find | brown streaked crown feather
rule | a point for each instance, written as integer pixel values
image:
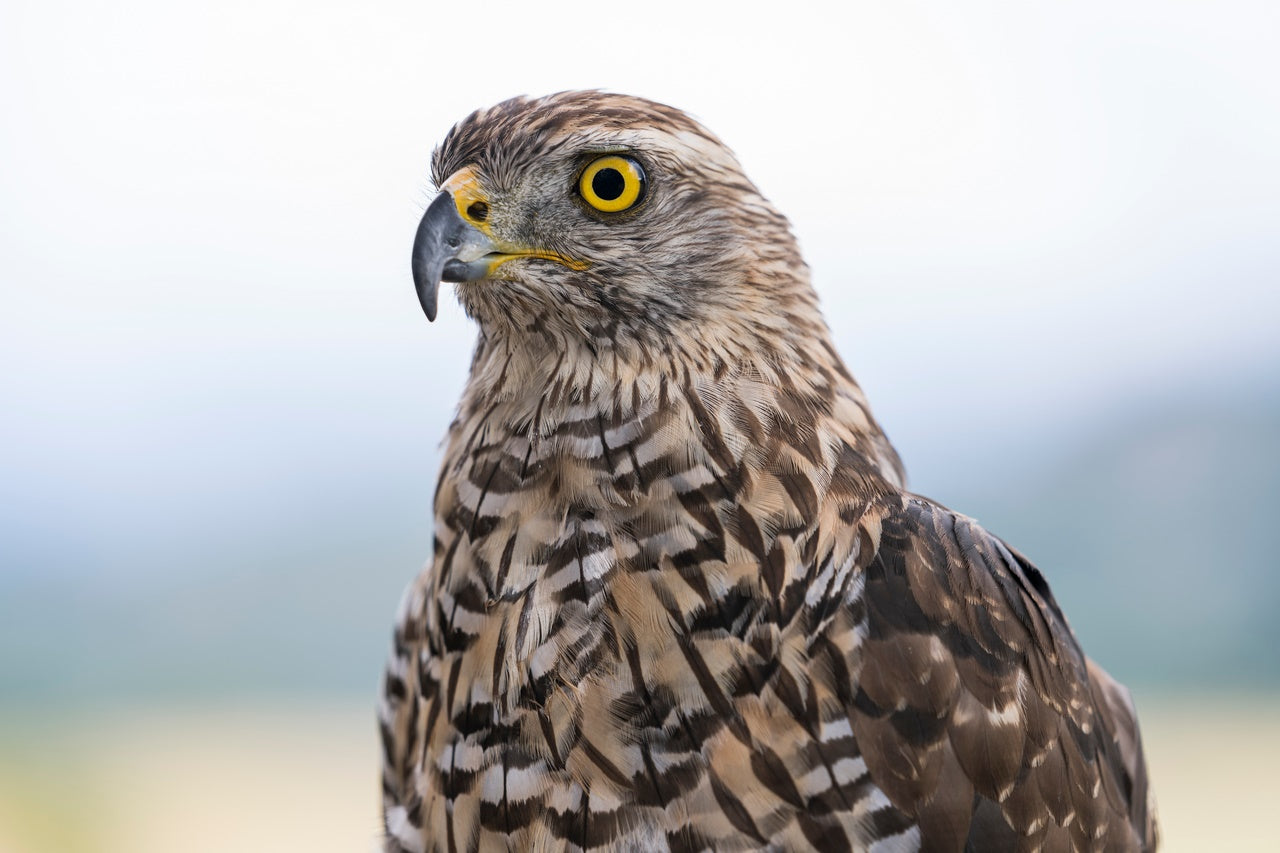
(679, 598)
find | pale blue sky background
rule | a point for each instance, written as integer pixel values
(1028, 223)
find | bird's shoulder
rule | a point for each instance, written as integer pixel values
(974, 707)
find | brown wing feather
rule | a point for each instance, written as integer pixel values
(976, 710)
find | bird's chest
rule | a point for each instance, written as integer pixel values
(535, 535)
(539, 551)
(603, 647)
(553, 619)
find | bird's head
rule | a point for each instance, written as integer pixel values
(600, 216)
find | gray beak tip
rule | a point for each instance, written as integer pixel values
(428, 297)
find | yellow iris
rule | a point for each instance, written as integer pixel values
(612, 183)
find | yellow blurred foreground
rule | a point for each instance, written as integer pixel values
(272, 778)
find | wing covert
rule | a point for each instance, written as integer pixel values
(976, 710)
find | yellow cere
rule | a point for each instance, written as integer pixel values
(464, 186)
(612, 183)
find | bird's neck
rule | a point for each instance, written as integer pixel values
(567, 396)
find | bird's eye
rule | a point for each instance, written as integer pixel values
(612, 183)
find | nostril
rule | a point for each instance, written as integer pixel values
(479, 211)
(453, 242)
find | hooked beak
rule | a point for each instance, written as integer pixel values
(446, 248)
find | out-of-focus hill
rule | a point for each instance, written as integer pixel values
(1157, 532)
(1160, 535)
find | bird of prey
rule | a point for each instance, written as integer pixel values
(680, 598)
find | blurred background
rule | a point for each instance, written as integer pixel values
(1047, 237)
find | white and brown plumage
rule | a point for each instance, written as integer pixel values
(679, 597)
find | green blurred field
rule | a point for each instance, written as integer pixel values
(260, 778)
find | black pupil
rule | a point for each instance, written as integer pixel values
(608, 184)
